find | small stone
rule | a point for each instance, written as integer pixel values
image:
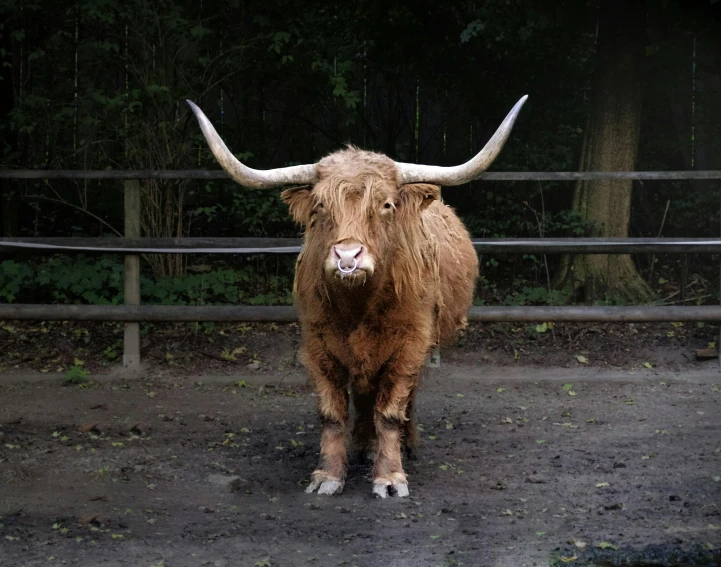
(535, 479)
(265, 516)
(205, 509)
(231, 483)
(447, 510)
(311, 506)
(164, 417)
(253, 365)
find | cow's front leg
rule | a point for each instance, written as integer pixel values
(391, 416)
(330, 381)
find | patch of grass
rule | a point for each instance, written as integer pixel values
(76, 375)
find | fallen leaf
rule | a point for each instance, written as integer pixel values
(85, 520)
(582, 359)
(602, 484)
(87, 427)
(569, 559)
(648, 365)
(605, 545)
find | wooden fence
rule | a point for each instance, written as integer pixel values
(133, 245)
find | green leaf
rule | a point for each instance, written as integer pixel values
(605, 545)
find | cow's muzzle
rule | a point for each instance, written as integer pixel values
(349, 260)
(348, 257)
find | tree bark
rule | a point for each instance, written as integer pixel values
(610, 144)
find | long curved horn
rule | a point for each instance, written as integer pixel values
(460, 174)
(254, 178)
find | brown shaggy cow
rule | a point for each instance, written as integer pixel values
(387, 272)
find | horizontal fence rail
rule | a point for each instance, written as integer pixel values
(488, 176)
(293, 245)
(286, 314)
(131, 314)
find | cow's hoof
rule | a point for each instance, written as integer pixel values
(384, 489)
(329, 487)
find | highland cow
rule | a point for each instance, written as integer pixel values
(386, 273)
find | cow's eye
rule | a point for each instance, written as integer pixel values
(388, 205)
(320, 205)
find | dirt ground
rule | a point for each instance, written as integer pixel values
(519, 464)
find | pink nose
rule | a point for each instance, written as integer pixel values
(347, 257)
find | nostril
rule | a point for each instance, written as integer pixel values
(347, 257)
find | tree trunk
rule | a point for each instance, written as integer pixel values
(610, 144)
(707, 123)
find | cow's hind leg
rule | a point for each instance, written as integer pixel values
(409, 431)
(363, 426)
(330, 381)
(391, 417)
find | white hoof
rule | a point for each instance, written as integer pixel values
(399, 490)
(328, 487)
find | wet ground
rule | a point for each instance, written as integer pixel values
(518, 466)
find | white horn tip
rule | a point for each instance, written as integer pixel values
(194, 107)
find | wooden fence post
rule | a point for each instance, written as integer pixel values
(131, 342)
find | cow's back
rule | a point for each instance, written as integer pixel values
(458, 268)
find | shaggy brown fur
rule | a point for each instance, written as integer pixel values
(373, 334)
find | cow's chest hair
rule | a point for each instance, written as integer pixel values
(375, 346)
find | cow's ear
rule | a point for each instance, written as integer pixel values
(418, 196)
(300, 203)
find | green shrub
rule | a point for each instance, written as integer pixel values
(99, 280)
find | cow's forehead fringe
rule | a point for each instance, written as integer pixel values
(353, 163)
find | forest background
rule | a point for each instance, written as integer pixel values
(612, 85)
